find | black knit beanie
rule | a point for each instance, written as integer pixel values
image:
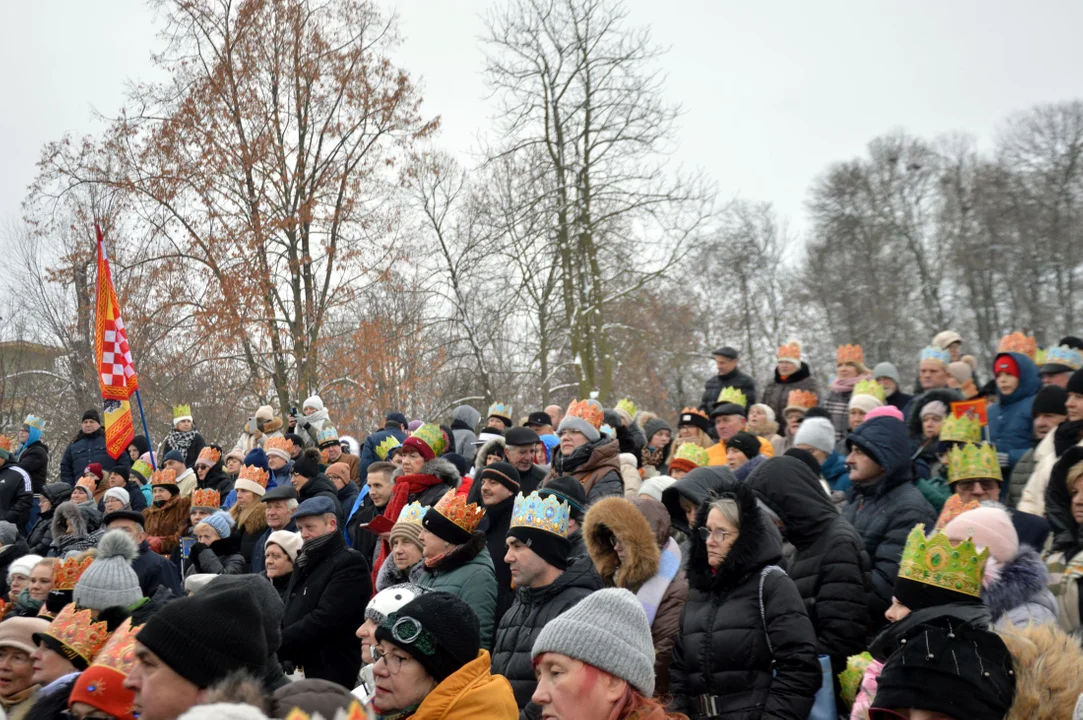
(503, 473)
(437, 629)
(746, 442)
(569, 490)
(551, 548)
(92, 414)
(204, 638)
(1075, 383)
(307, 466)
(1050, 399)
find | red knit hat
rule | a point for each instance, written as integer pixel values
(1005, 363)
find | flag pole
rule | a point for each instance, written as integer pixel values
(146, 432)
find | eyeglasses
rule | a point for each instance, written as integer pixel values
(987, 484)
(392, 662)
(719, 535)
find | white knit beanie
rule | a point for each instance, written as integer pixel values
(23, 565)
(290, 542)
(655, 486)
(816, 432)
(120, 494)
(865, 402)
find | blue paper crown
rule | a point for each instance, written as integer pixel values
(608, 430)
(412, 514)
(1064, 355)
(548, 514)
(35, 422)
(326, 434)
(500, 410)
(934, 353)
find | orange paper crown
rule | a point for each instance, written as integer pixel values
(78, 632)
(102, 684)
(254, 474)
(206, 499)
(801, 399)
(119, 652)
(67, 572)
(588, 411)
(163, 477)
(209, 456)
(849, 354)
(5, 443)
(1017, 342)
(455, 508)
(694, 411)
(87, 483)
(791, 352)
(278, 443)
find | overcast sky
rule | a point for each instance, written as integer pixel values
(773, 92)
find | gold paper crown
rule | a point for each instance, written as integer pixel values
(732, 395)
(180, 411)
(801, 399)
(628, 406)
(500, 410)
(965, 429)
(791, 351)
(389, 444)
(278, 443)
(209, 455)
(253, 474)
(35, 422)
(206, 499)
(692, 453)
(1017, 342)
(548, 514)
(455, 508)
(412, 514)
(432, 436)
(849, 354)
(870, 388)
(78, 632)
(119, 652)
(694, 411)
(588, 411)
(163, 477)
(935, 561)
(67, 572)
(973, 462)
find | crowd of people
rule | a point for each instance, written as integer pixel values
(841, 550)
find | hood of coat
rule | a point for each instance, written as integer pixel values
(213, 478)
(888, 641)
(443, 469)
(790, 489)
(320, 483)
(1018, 583)
(758, 544)
(603, 453)
(617, 517)
(56, 493)
(884, 439)
(801, 374)
(68, 515)
(1047, 678)
(461, 554)
(695, 487)
(491, 447)
(1058, 503)
(1029, 380)
(944, 395)
(467, 415)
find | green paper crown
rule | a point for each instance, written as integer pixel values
(432, 436)
(180, 411)
(965, 429)
(973, 462)
(871, 388)
(35, 422)
(850, 678)
(389, 443)
(732, 395)
(548, 514)
(629, 407)
(692, 453)
(935, 561)
(499, 410)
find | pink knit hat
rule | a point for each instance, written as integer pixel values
(885, 411)
(988, 527)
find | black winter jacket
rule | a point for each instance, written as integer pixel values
(194, 448)
(736, 379)
(217, 479)
(532, 609)
(777, 394)
(154, 572)
(87, 449)
(16, 496)
(9, 554)
(1067, 533)
(321, 486)
(222, 557)
(696, 487)
(35, 460)
(325, 604)
(41, 535)
(723, 649)
(885, 511)
(829, 566)
(495, 525)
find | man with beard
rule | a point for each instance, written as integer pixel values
(498, 484)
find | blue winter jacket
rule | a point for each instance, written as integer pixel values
(83, 451)
(835, 472)
(1011, 424)
(368, 451)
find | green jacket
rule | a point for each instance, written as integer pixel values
(467, 572)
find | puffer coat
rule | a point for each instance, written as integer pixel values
(695, 487)
(777, 393)
(736, 657)
(467, 573)
(595, 465)
(1011, 425)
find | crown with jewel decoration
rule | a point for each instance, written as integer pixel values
(1017, 342)
(973, 462)
(586, 410)
(499, 410)
(692, 453)
(790, 352)
(327, 435)
(278, 444)
(35, 422)
(254, 474)
(182, 412)
(628, 406)
(801, 399)
(67, 572)
(453, 507)
(548, 514)
(163, 477)
(412, 514)
(432, 436)
(935, 561)
(965, 429)
(209, 499)
(209, 456)
(78, 633)
(119, 651)
(932, 352)
(849, 354)
(871, 388)
(732, 395)
(1063, 355)
(389, 443)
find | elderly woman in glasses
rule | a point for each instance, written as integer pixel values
(746, 646)
(428, 663)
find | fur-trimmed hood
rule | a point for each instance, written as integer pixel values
(944, 395)
(443, 469)
(1021, 581)
(1047, 678)
(617, 516)
(485, 449)
(68, 514)
(461, 555)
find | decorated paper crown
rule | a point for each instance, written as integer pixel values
(163, 477)
(254, 474)
(932, 352)
(591, 412)
(35, 422)
(432, 436)
(279, 444)
(692, 453)
(973, 462)
(119, 652)
(87, 483)
(102, 684)
(78, 632)
(206, 499)
(694, 411)
(1017, 342)
(499, 410)
(850, 678)
(1063, 355)
(327, 435)
(964, 429)
(871, 388)
(849, 354)
(182, 412)
(935, 561)
(5, 446)
(355, 712)
(732, 395)
(628, 406)
(454, 507)
(67, 572)
(1040, 357)
(209, 456)
(389, 443)
(143, 468)
(790, 352)
(608, 431)
(548, 514)
(801, 399)
(412, 514)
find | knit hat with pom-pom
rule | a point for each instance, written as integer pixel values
(110, 580)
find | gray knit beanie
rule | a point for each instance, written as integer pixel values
(816, 432)
(609, 630)
(888, 370)
(110, 580)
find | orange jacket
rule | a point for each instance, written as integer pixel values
(471, 692)
(716, 454)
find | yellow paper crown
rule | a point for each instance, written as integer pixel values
(182, 411)
(588, 411)
(1017, 342)
(163, 477)
(849, 354)
(253, 474)
(206, 499)
(119, 652)
(278, 443)
(35, 422)
(870, 388)
(973, 462)
(354, 712)
(78, 632)
(389, 444)
(790, 352)
(455, 508)
(801, 399)
(935, 561)
(67, 572)
(964, 429)
(412, 514)
(628, 406)
(692, 453)
(850, 678)
(732, 395)
(534, 511)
